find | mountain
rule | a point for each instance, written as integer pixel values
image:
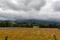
(29, 20)
(34, 20)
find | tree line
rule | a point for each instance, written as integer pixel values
(29, 24)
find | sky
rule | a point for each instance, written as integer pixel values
(29, 9)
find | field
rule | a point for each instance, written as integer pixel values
(29, 33)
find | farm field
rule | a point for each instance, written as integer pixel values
(29, 33)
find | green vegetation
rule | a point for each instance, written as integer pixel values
(29, 24)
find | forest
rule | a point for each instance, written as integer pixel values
(29, 24)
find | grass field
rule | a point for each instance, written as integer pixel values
(29, 33)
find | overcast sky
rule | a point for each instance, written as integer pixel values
(29, 9)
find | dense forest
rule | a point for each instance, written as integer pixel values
(29, 24)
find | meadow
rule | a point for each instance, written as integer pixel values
(29, 33)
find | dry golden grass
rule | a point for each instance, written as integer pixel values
(29, 33)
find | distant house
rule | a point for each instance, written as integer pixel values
(35, 26)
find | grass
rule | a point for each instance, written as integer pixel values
(29, 33)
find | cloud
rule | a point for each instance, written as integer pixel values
(20, 9)
(57, 6)
(48, 11)
(29, 9)
(19, 15)
(22, 4)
